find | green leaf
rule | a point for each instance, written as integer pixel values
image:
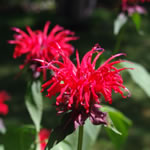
(59, 133)
(139, 75)
(62, 146)
(111, 125)
(119, 23)
(2, 127)
(34, 103)
(89, 137)
(137, 20)
(21, 138)
(90, 134)
(2, 147)
(120, 124)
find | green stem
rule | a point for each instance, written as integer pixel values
(80, 138)
(120, 37)
(37, 142)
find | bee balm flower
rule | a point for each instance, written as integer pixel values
(41, 44)
(81, 87)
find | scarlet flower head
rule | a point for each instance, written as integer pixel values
(132, 6)
(41, 44)
(81, 87)
(43, 137)
(3, 107)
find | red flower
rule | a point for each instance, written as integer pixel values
(41, 44)
(81, 88)
(43, 137)
(3, 107)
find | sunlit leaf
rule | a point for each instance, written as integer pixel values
(139, 75)
(2, 127)
(2, 147)
(119, 23)
(34, 103)
(117, 132)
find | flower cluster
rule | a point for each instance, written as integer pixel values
(41, 44)
(132, 6)
(81, 87)
(43, 137)
(3, 107)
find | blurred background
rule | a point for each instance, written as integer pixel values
(92, 21)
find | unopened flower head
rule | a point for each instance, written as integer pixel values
(81, 87)
(133, 6)
(41, 44)
(3, 107)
